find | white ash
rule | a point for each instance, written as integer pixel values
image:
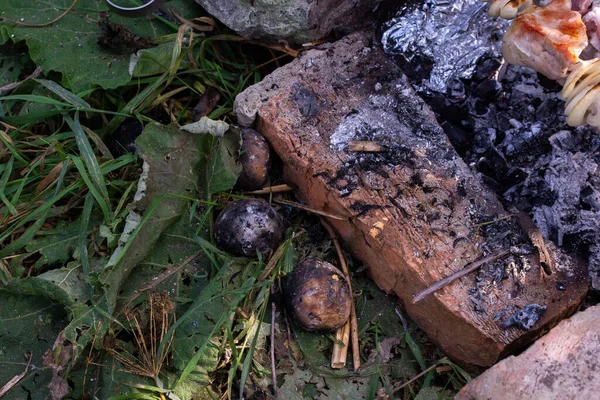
(371, 123)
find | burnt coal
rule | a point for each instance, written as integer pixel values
(514, 132)
(525, 318)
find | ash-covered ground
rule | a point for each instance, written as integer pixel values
(508, 123)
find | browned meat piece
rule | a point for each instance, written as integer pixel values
(548, 39)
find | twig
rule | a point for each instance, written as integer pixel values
(311, 210)
(415, 378)
(277, 256)
(458, 274)
(282, 48)
(209, 27)
(260, 66)
(5, 270)
(340, 352)
(157, 280)
(45, 23)
(535, 236)
(273, 262)
(9, 385)
(11, 86)
(366, 146)
(272, 189)
(273, 309)
(353, 319)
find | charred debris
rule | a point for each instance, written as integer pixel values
(507, 122)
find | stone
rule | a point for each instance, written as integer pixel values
(411, 210)
(564, 364)
(296, 21)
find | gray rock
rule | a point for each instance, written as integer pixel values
(297, 21)
(561, 365)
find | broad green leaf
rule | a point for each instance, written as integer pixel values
(195, 340)
(56, 286)
(196, 351)
(170, 251)
(79, 324)
(153, 61)
(314, 346)
(107, 381)
(28, 324)
(375, 307)
(222, 169)
(3, 181)
(345, 389)
(198, 320)
(70, 279)
(5, 34)
(174, 160)
(294, 385)
(70, 45)
(55, 246)
(196, 386)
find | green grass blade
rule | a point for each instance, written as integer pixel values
(37, 214)
(3, 181)
(35, 99)
(416, 351)
(31, 118)
(138, 101)
(25, 238)
(93, 189)
(13, 151)
(106, 314)
(23, 182)
(373, 386)
(130, 396)
(428, 379)
(63, 93)
(86, 152)
(41, 212)
(82, 239)
(61, 177)
(166, 22)
(250, 355)
(465, 375)
(124, 197)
